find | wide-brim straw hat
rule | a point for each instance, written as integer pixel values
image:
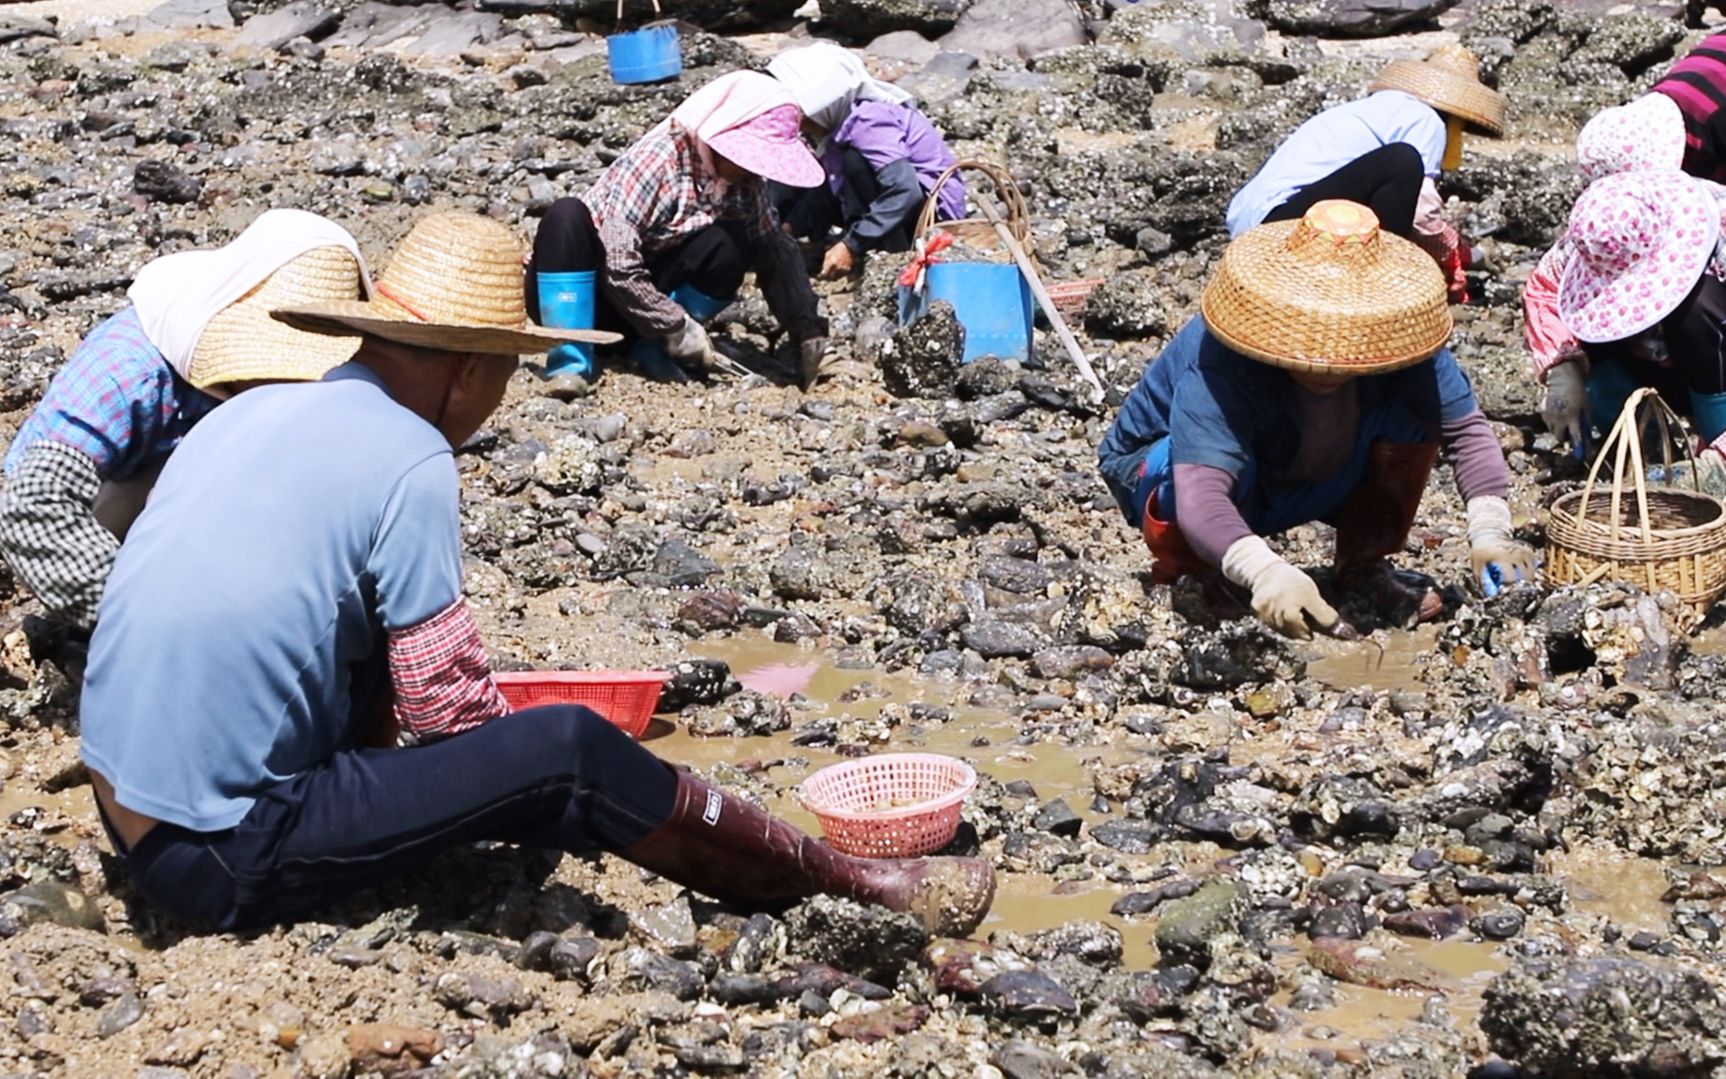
(1329, 294)
(454, 284)
(243, 343)
(1449, 81)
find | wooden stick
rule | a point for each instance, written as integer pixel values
(1029, 269)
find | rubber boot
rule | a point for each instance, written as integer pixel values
(1374, 523)
(649, 354)
(566, 302)
(722, 846)
(700, 305)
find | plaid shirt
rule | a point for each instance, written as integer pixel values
(116, 401)
(441, 676)
(658, 195)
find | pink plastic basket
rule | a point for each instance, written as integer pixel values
(626, 698)
(896, 805)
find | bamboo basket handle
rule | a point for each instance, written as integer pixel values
(1624, 443)
(1613, 441)
(1005, 189)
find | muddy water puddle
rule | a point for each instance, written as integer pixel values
(1390, 661)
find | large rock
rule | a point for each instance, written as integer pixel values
(871, 18)
(868, 941)
(1016, 28)
(191, 15)
(1352, 18)
(306, 18)
(1187, 926)
(1604, 1017)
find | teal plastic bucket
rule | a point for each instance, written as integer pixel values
(993, 302)
(650, 54)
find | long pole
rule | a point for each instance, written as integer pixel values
(1029, 269)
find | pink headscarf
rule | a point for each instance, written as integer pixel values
(752, 120)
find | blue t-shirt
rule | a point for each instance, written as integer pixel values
(1331, 140)
(1219, 408)
(243, 627)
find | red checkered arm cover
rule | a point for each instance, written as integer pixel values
(442, 677)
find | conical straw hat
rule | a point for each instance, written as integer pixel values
(1449, 81)
(454, 284)
(242, 342)
(1328, 294)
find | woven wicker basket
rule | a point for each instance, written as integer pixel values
(977, 232)
(1665, 539)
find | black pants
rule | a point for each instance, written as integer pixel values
(1388, 180)
(713, 260)
(813, 212)
(1694, 336)
(560, 777)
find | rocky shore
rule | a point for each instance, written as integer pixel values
(1481, 849)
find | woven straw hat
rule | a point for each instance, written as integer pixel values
(1449, 81)
(454, 284)
(243, 342)
(1328, 294)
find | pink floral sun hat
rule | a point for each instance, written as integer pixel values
(1641, 241)
(1645, 135)
(771, 146)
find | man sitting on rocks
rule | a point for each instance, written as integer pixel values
(298, 573)
(1314, 386)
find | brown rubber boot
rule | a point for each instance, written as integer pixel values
(1375, 522)
(726, 848)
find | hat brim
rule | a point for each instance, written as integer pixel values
(350, 316)
(1446, 91)
(253, 346)
(786, 162)
(1265, 304)
(1598, 308)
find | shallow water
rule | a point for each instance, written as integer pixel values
(1388, 661)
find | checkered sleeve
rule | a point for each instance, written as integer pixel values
(636, 195)
(49, 534)
(441, 676)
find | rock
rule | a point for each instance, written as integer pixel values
(1129, 836)
(1070, 661)
(670, 927)
(1360, 963)
(1027, 996)
(165, 183)
(923, 359)
(993, 640)
(1436, 924)
(13, 27)
(870, 18)
(1020, 29)
(1094, 943)
(1187, 926)
(303, 18)
(696, 681)
(1145, 902)
(863, 939)
(481, 997)
(389, 1047)
(1608, 1016)
(1126, 305)
(119, 1015)
(888, 1021)
(191, 15)
(1352, 18)
(802, 572)
(642, 970)
(1499, 924)
(1058, 818)
(1022, 1060)
(50, 902)
(681, 564)
(904, 47)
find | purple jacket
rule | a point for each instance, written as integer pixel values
(885, 132)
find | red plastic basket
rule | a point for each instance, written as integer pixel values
(1070, 296)
(896, 805)
(626, 698)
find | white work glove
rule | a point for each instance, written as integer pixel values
(690, 345)
(1284, 598)
(1495, 555)
(1566, 407)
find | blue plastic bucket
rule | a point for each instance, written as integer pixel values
(993, 302)
(650, 54)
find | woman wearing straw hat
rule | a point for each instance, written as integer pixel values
(198, 330)
(1384, 151)
(670, 228)
(1314, 386)
(328, 587)
(881, 156)
(1643, 299)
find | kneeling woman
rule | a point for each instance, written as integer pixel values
(882, 158)
(671, 227)
(1314, 386)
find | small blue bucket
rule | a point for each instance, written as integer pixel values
(650, 54)
(993, 302)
